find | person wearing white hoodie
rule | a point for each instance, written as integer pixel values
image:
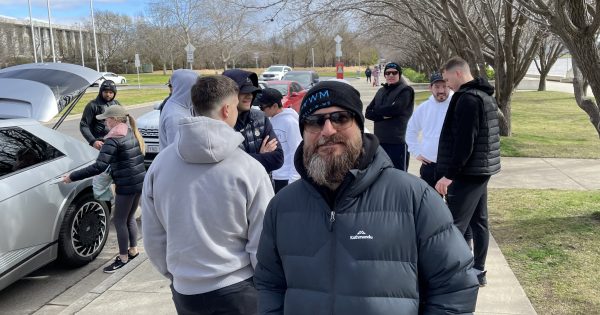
(427, 120)
(177, 106)
(286, 127)
(203, 204)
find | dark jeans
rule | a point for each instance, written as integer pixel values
(124, 220)
(427, 172)
(279, 184)
(398, 153)
(237, 299)
(467, 200)
(368, 78)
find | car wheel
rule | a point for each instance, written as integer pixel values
(123, 81)
(84, 231)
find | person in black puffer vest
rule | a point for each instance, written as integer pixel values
(91, 128)
(391, 109)
(122, 152)
(468, 154)
(260, 140)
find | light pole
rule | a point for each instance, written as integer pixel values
(51, 36)
(312, 49)
(256, 58)
(32, 33)
(94, 31)
(81, 47)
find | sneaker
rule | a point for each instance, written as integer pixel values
(117, 264)
(481, 278)
(132, 256)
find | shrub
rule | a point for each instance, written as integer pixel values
(414, 76)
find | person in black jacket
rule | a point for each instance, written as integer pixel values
(122, 153)
(91, 128)
(355, 235)
(260, 140)
(468, 154)
(391, 109)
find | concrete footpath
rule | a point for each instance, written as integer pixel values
(139, 289)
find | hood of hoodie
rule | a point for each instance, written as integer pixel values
(203, 140)
(182, 81)
(480, 84)
(241, 76)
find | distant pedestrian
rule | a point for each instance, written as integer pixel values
(285, 125)
(354, 236)
(203, 204)
(260, 140)
(91, 128)
(469, 153)
(376, 76)
(391, 109)
(121, 153)
(368, 74)
(179, 105)
(425, 125)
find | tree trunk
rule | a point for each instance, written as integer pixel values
(504, 98)
(542, 85)
(586, 104)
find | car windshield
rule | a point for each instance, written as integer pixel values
(303, 78)
(282, 88)
(275, 69)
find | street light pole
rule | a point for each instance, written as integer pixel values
(312, 49)
(51, 36)
(94, 31)
(81, 47)
(32, 33)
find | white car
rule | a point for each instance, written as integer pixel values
(148, 127)
(118, 79)
(275, 72)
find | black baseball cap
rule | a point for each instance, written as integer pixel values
(268, 97)
(435, 77)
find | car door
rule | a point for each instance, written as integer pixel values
(295, 96)
(28, 200)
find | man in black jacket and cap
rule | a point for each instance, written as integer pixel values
(468, 154)
(391, 109)
(355, 235)
(92, 129)
(260, 140)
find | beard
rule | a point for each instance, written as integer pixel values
(330, 170)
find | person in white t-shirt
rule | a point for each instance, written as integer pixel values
(285, 124)
(427, 121)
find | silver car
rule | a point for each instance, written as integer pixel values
(41, 218)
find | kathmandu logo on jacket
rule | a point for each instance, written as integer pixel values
(361, 235)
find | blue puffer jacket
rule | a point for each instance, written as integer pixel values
(384, 244)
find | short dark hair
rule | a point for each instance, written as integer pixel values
(455, 62)
(209, 91)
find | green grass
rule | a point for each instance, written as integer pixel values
(546, 124)
(551, 240)
(148, 78)
(125, 97)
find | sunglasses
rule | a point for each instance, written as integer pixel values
(390, 73)
(339, 121)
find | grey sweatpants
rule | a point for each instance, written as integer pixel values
(124, 220)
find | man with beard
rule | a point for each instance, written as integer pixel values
(355, 235)
(468, 155)
(390, 110)
(92, 129)
(427, 120)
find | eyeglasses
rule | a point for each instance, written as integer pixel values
(339, 120)
(390, 73)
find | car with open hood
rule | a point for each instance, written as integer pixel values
(41, 218)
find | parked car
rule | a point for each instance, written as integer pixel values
(292, 93)
(118, 79)
(306, 78)
(42, 218)
(148, 127)
(274, 72)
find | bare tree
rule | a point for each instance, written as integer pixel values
(115, 35)
(550, 50)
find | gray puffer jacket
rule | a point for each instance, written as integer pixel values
(383, 244)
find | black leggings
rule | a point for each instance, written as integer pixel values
(124, 220)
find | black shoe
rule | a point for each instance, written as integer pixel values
(132, 256)
(117, 264)
(481, 278)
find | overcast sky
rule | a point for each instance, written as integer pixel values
(68, 11)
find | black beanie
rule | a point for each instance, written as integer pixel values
(393, 65)
(332, 93)
(108, 85)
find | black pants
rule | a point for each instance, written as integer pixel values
(368, 78)
(237, 299)
(279, 184)
(467, 200)
(427, 172)
(398, 152)
(124, 220)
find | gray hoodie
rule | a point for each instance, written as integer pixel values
(203, 204)
(178, 106)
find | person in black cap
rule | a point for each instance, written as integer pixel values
(285, 125)
(92, 129)
(390, 109)
(260, 140)
(427, 120)
(355, 235)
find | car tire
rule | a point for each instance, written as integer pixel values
(84, 231)
(123, 81)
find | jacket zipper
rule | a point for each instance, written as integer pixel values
(333, 262)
